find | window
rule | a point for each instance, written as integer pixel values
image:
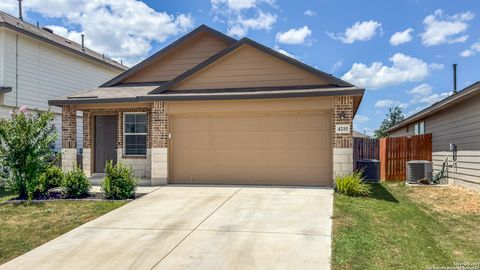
(135, 133)
(419, 128)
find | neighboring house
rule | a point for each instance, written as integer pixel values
(36, 65)
(454, 120)
(358, 134)
(209, 109)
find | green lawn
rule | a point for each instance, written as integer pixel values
(24, 227)
(402, 228)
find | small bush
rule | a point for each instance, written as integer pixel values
(120, 182)
(51, 178)
(76, 184)
(352, 185)
(25, 150)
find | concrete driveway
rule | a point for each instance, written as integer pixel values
(199, 227)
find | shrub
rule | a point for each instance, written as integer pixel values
(120, 182)
(352, 185)
(76, 183)
(25, 149)
(51, 178)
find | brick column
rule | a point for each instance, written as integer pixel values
(159, 143)
(87, 143)
(69, 137)
(342, 143)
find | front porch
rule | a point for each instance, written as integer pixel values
(133, 134)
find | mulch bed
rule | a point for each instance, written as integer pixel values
(94, 197)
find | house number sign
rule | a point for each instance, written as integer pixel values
(342, 128)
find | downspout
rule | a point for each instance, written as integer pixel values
(16, 72)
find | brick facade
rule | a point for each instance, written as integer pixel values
(342, 114)
(157, 137)
(69, 127)
(159, 125)
(342, 144)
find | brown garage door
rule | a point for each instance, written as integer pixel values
(272, 149)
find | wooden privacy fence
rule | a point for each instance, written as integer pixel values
(364, 148)
(395, 152)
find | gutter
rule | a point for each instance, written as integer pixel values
(214, 96)
(5, 89)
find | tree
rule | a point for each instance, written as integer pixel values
(394, 116)
(25, 149)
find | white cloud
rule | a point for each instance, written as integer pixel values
(310, 13)
(361, 118)
(293, 36)
(360, 31)
(244, 15)
(337, 65)
(434, 98)
(387, 103)
(401, 37)
(278, 49)
(422, 89)
(121, 29)
(474, 49)
(9, 6)
(404, 69)
(441, 29)
(422, 94)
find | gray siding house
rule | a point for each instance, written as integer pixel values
(455, 126)
(37, 65)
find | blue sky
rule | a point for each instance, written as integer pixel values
(354, 40)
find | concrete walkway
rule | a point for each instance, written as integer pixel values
(193, 227)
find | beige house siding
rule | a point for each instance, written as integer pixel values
(460, 125)
(248, 67)
(183, 58)
(407, 130)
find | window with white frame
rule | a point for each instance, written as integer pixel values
(135, 133)
(419, 128)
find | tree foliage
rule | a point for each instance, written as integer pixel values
(25, 149)
(394, 116)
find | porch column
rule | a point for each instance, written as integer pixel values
(159, 144)
(87, 143)
(342, 136)
(69, 137)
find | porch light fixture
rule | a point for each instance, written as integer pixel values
(342, 115)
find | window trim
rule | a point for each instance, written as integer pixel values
(416, 128)
(125, 135)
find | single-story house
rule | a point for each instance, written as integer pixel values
(210, 109)
(454, 124)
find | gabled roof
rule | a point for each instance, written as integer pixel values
(462, 95)
(15, 24)
(201, 29)
(115, 92)
(247, 41)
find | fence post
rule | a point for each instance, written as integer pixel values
(383, 158)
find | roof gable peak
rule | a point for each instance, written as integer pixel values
(258, 46)
(167, 49)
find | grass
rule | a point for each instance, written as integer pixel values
(402, 228)
(26, 226)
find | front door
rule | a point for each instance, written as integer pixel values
(105, 141)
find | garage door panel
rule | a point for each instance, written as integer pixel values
(252, 148)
